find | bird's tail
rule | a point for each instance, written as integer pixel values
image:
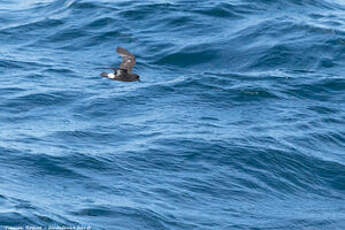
(104, 74)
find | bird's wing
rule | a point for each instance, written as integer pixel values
(128, 59)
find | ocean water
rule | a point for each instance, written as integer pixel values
(238, 121)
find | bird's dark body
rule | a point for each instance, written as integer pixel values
(121, 75)
(124, 73)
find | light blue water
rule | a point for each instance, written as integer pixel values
(238, 122)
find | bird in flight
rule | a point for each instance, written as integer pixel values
(124, 73)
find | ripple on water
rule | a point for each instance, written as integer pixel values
(237, 122)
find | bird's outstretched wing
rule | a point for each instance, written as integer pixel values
(128, 59)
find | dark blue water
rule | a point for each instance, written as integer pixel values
(238, 122)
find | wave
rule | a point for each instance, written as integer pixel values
(240, 106)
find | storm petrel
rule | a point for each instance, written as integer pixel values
(124, 73)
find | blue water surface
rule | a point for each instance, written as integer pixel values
(238, 121)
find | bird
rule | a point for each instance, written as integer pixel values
(124, 73)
